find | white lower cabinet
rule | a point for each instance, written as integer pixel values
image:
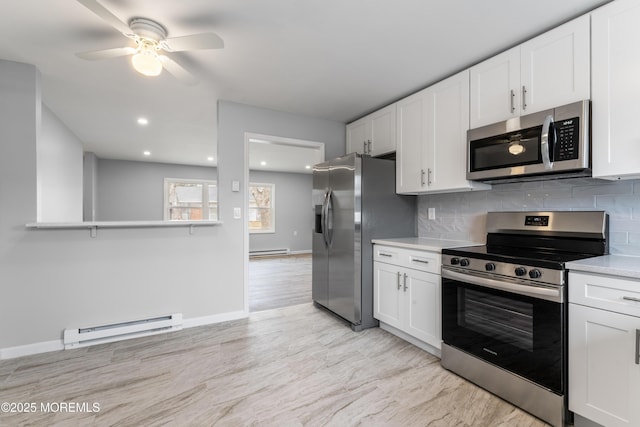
(408, 299)
(604, 347)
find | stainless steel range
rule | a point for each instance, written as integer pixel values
(504, 321)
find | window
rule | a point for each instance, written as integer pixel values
(190, 199)
(262, 213)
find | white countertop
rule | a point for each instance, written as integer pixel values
(423, 243)
(612, 265)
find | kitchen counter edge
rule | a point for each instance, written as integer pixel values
(610, 265)
(424, 243)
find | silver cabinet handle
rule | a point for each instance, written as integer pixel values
(364, 147)
(383, 254)
(513, 101)
(637, 346)
(422, 177)
(423, 261)
(405, 282)
(524, 98)
(369, 146)
(631, 299)
(429, 172)
(399, 276)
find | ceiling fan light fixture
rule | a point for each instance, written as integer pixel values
(146, 62)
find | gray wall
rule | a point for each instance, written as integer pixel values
(461, 216)
(132, 191)
(59, 171)
(54, 279)
(294, 216)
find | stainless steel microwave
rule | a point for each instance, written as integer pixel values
(550, 144)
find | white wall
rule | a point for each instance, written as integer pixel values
(294, 213)
(59, 171)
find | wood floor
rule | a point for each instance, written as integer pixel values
(279, 281)
(291, 366)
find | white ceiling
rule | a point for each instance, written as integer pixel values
(331, 59)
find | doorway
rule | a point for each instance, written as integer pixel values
(279, 219)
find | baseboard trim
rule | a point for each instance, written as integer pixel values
(30, 349)
(57, 345)
(214, 318)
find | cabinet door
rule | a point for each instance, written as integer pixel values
(555, 67)
(383, 130)
(358, 135)
(604, 379)
(421, 292)
(446, 135)
(386, 293)
(615, 71)
(411, 116)
(495, 89)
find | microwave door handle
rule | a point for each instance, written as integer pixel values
(546, 142)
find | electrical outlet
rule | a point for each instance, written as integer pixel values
(431, 213)
(237, 213)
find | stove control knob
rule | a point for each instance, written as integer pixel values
(455, 261)
(535, 273)
(490, 266)
(464, 262)
(520, 271)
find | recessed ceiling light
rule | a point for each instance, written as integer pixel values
(263, 163)
(210, 158)
(143, 121)
(146, 153)
(307, 167)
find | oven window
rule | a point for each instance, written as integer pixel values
(497, 317)
(508, 150)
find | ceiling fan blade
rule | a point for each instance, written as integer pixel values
(193, 42)
(177, 70)
(106, 53)
(105, 14)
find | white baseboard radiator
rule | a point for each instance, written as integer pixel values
(268, 252)
(100, 334)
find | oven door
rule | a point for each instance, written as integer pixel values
(519, 333)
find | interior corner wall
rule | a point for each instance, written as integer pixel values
(59, 171)
(294, 214)
(57, 279)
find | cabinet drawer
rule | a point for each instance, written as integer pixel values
(608, 293)
(418, 260)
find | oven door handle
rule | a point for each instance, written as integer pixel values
(548, 294)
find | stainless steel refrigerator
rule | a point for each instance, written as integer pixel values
(354, 201)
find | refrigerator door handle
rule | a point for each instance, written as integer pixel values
(329, 218)
(323, 218)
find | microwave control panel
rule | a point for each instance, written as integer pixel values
(567, 139)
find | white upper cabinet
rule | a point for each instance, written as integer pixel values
(616, 90)
(432, 126)
(494, 87)
(544, 72)
(374, 134)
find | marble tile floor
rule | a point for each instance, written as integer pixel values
(291, 366)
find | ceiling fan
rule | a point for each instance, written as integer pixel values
(149, 55)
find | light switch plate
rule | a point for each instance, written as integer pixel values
(237, 213)
(235, 186)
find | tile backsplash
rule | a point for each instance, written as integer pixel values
(461, 216)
